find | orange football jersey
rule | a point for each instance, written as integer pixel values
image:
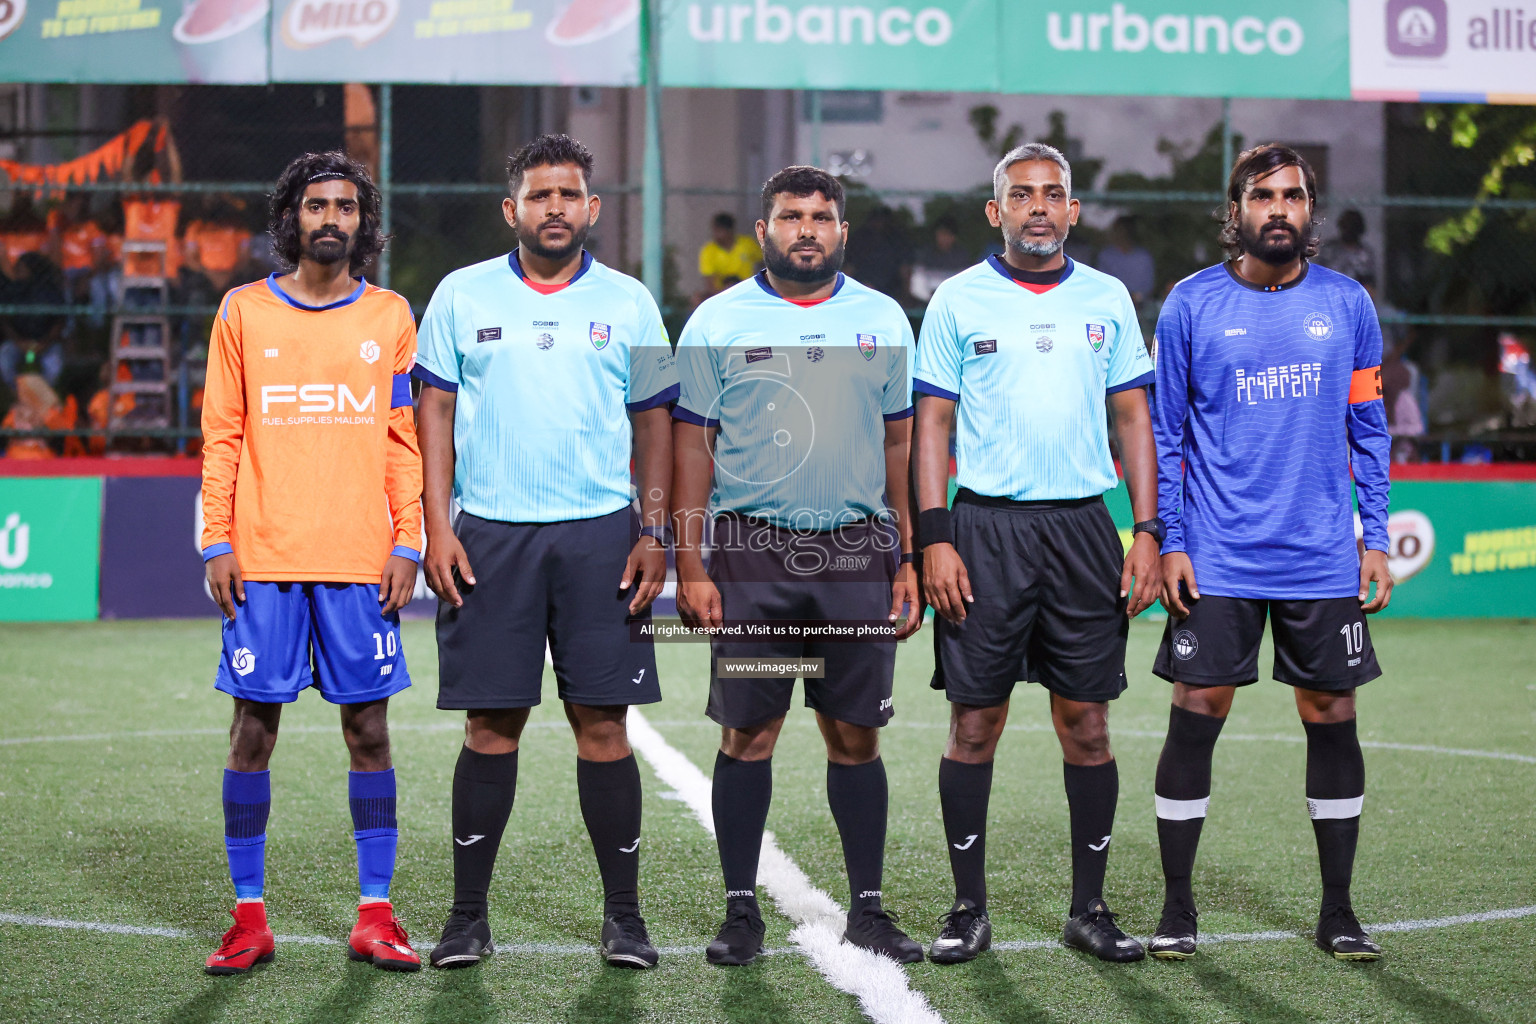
(311, 469)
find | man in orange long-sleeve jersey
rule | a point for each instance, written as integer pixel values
(312, 511)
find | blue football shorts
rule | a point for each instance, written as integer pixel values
(286, 637)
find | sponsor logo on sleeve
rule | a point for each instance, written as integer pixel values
(757, 355)
(486, 334)
(986, 347)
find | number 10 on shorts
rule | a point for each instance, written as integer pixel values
(383, 640)
(1354, 636)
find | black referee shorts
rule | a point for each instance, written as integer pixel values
(1046, 581)
(1320, 643)
(544, 581)
(770, 575)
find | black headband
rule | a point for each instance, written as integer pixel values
(324, 176)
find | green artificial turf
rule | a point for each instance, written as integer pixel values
(112, 816)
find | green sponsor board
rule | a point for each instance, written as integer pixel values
(1176, 48)
(50, 545)
(559, 42)
(106, 41)
(943, 45)
(1457, 549)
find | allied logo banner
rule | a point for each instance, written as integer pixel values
(1450, 51)
(50, 542)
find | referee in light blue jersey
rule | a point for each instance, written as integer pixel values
(1027, 572)
(793, 427)
(543, 373)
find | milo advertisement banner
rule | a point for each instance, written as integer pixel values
(108, 41)
(50, 532)
(560, 42)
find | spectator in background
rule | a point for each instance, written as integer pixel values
(726, 258)
(24, 230)
(32, 340)
(1399, 392)
(82, 245)
(1126, 259)
(940, 261)
(216, 248)
(880, 256)
(1349, 254)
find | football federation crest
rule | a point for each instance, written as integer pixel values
(1096, 336)
(544, 341)
(867, 346)
(600, 335)
(1185, 646)
(1318, 326)
(1044, 343)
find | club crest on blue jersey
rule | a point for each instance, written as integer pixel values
(1096, 336)
(1318, 326)
(867, 346)
(600, 335)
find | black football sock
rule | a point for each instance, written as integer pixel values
(964, 790)
(484, 786)
(610, 805)
(1092, 792)
(740, 795)
(859, 800)
(1183, 795)
(1335, 796)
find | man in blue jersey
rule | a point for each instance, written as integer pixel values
(1268, 400)
(793, 427)
(543, 373)
(1027, 572)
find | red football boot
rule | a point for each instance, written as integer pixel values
(248, 943)
(378, 939)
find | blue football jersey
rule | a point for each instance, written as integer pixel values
(1267, 402)
(544, 386)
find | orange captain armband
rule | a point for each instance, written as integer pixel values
(1365, 385)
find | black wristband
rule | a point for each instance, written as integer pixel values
(908, 558)
(935, 526)
(658, 533)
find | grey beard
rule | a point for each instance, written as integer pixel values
(1018, 243)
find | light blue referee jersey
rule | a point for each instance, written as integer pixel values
(1030, 373)
(545, 383)
(800, 395)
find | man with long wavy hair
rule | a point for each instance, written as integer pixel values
(312, 512)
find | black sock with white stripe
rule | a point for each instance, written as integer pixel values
(1092, 793)
(1183, 794)
(1335, 796)
(609, 793)
(964, 790)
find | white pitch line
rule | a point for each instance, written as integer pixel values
(878, 982)
(1419, 925)
(108, 928)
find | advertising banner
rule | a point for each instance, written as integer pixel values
(938, 45)
(1459, 549)
(1176, 48)
(488, 42)
(107, 41)
(1450, 51)
(151, 566)
(50, 530)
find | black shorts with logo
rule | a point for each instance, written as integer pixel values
(1320, 643)
(1045, 576)
(538, 582)
(767, 574)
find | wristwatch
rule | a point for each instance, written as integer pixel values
(1153, 526)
